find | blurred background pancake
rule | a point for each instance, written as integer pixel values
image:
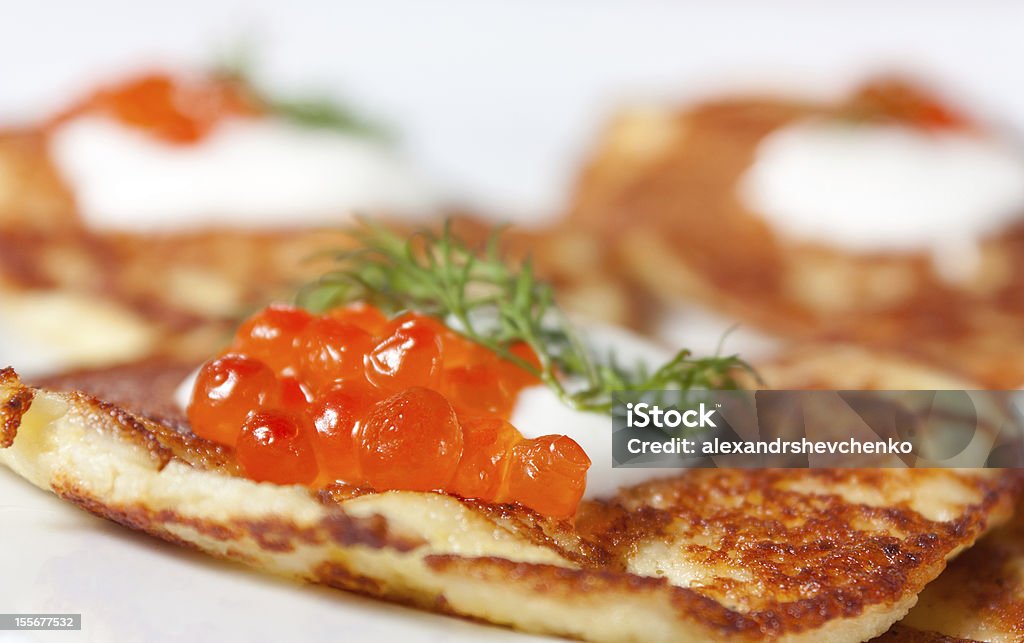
(155, 212)
(146, 215)
(890, 218)
(980, 596)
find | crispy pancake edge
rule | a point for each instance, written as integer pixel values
(367, 545)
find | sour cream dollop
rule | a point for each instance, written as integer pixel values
(248, 172)
(538, 411)
(873, 187)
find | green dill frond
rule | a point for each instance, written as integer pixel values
(476, 293)
(315, 111)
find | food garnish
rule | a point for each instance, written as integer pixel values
(501, 308)
(184, 109)
(239, 64)
(404, 402)
(401, 370)
(175, 109)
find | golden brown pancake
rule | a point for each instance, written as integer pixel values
(180, 293)
(705, 555)
(175, 294)
(661, 190)
(981, 594)
(979, 597)
(184, 293)
(900, 633)
(32, 194)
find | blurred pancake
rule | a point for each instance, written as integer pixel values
(662, 190)
(32, 193)
(179, 293)
(707, 555)
(87, 294)
(900, 633)
(980, 596)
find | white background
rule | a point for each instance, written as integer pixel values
(497, 100)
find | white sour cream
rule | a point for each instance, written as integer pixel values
(183, 394)
(871, 187)
(251, 172)
(538, 411)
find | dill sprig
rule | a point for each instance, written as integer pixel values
(324, 112)
(481, 297)
(314, 111)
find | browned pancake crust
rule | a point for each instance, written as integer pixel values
(32, 194)
(904, 634)
(191, 287)
(806, 559)
(669, 210)
(981, 593)
(146, 387)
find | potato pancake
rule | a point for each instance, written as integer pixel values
(704, 555)
(663, 190)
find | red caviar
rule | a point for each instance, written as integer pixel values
(478, 390)
(295, 396)
(409, 356)
(362, 315)
(486, 446)
(226, 391)
(271, 335)
(274, 447)
(547, 474)
(412, 440)
(337, 415)
(176, 109)
(403, 403)
(332, 351)
(911, 104)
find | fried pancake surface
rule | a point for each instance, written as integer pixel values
(661, 190)
(32, 193)
(705, 555)
(981, 594)
(900, 633)
(181, 293)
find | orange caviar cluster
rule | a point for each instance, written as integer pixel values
(403, 403)
(913, 105)
(174, 109)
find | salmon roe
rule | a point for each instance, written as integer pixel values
(912, 105)
(175, 109)
(352, 396)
